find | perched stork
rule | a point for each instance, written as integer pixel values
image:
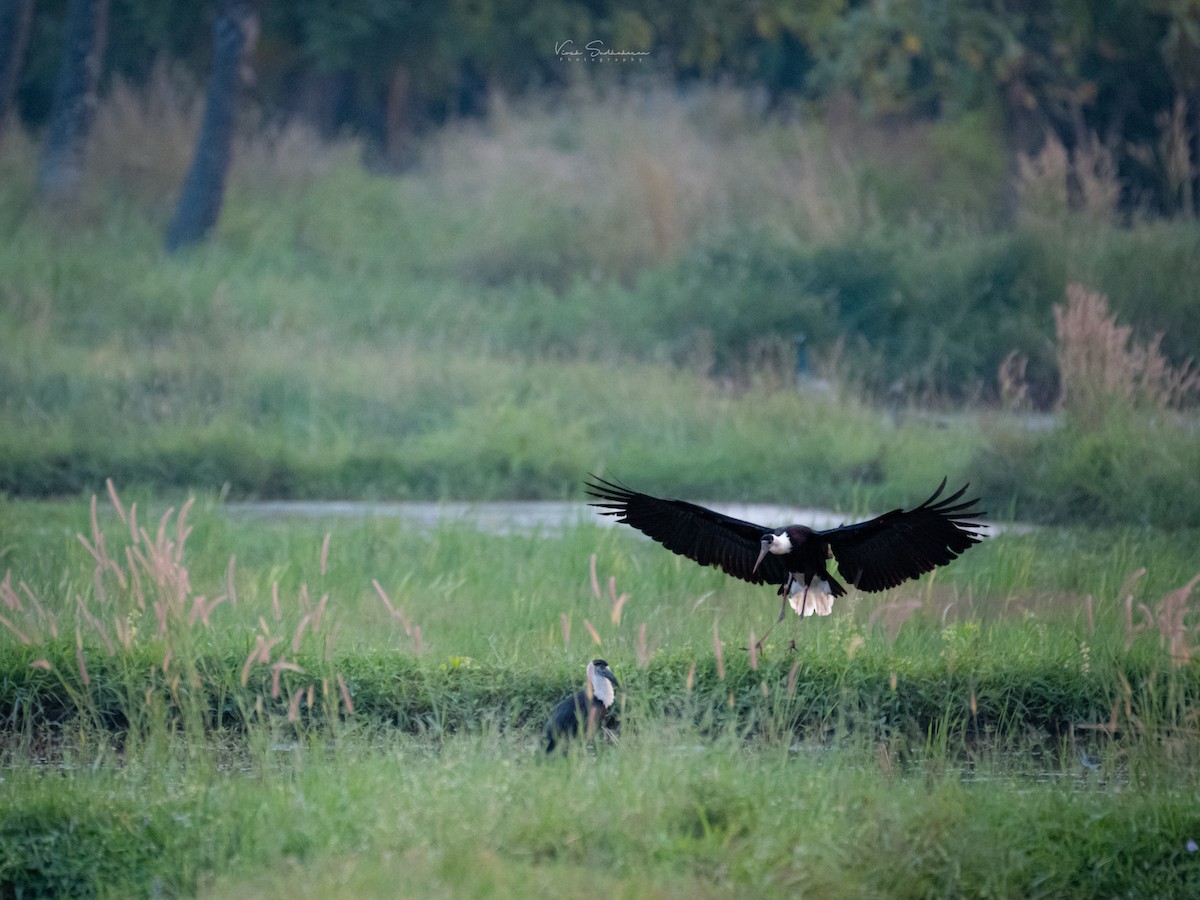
(592, 707)
(873, 556)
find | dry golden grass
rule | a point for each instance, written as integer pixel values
(1014, 386)
(141, 597)
(1172, 617)
(638, 175)
(1102, 368)
(1054, 181)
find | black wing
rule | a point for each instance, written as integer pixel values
(707, 537)
(902, 544)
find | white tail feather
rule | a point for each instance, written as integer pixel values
(815, 600)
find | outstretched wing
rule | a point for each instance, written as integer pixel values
(703, 535)
(902, 544)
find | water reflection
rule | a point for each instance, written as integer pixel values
(519, 516)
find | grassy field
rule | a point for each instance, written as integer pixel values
(197, 701)
(234, 696)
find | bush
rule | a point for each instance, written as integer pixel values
(927, 320)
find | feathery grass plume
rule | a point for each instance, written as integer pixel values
(319, 613)
(1042, 180)
(260, 654)
(1102, 370)
(84, 678)
(35, 620)
(1054, 182)
(592, 573)
(1181, 166)
(299, 632)
(1014, 386)
(719, 652)
(1175, 634)
(618, 605)
(592, 631)
(1126, 593)
(20, 635)
(395, 611)
(277, 669)
(856, 643)
(345, 691)
(293, 707)
(1098, 182)
(894, 614)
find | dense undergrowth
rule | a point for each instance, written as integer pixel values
(665, 815)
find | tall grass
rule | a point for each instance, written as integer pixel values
(304, 626)
(666, 815)
(1103, 372)
(1123, 437)
(599, 280)
(190, 701)
(194, 701)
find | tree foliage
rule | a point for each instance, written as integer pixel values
(1084, 71)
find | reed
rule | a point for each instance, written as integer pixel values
(1104, 372)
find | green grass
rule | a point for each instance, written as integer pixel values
(941, 725)
(613, 283)
(210, 703)
(667, 813)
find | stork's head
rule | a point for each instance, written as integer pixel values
(777, 542)
(602, 681)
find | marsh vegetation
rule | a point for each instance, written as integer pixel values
(196, 702)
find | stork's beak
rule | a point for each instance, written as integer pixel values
(606, 672)
(767, 541)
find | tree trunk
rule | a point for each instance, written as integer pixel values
(74, 104)
(15, 18)
(399, 123)
(200, 199)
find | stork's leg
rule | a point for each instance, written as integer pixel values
(803, 607)
(785, 590)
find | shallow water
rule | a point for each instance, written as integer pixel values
(520, 516)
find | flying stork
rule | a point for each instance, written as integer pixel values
(873, 555)
(592, 707)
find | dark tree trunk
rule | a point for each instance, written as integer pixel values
(74, 104)
(399, 123)
(15, 17)
(1192, 127)
(204, 187)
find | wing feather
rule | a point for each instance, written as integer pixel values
(703, 535)
(883, 552)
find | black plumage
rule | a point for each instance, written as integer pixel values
(589, 709)
(874, 555)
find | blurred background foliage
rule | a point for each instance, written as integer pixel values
(455, 260)
(1078, 70)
